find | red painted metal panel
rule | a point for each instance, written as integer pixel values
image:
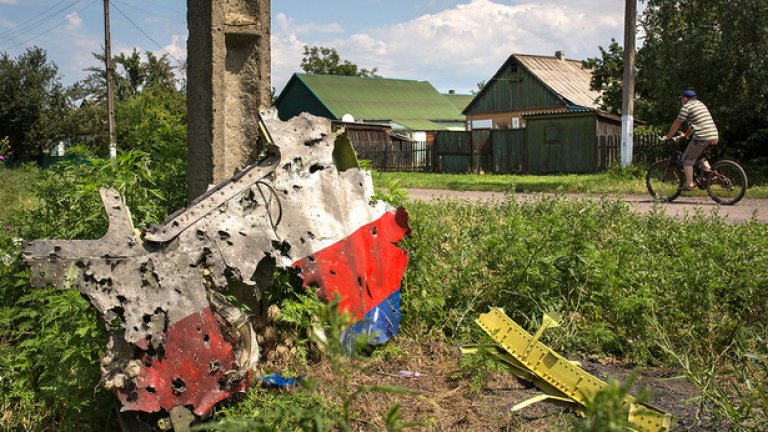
(188, 372)
(363, 269)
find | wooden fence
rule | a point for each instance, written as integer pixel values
(506, 151)
(492, 151)
(396, 155)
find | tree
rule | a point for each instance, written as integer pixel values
(326, 61)
(148, 85)
(480, 86)
(717, 48)
(607, 76)
(132, 76)
(32, 103)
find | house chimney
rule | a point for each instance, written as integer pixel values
(560, 55)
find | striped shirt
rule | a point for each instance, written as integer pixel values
(696, 114)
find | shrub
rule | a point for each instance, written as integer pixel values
(51, 340)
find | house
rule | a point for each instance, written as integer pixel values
(411, 113)
(531, 84)
(410, 107)
(549, 109)
(460, 101)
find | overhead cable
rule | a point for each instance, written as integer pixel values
(145, 33)
(59, 24)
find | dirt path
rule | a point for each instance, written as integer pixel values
(443, 397)
(741, 212)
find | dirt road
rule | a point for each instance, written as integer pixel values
(741, 212)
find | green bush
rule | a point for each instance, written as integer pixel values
(51, 340)
(604, 268)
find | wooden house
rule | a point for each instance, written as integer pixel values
(549, 115)
(406, 106)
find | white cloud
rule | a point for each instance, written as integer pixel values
(9, 2)
(74, 22)
(177, 48)
(285, 24)
(458, 47)
(287, 52)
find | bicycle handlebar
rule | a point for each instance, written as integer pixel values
(675, 138)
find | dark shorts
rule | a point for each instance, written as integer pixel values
(694, 150)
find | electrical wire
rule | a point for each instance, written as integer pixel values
(152, 13)
(268, 205)
(145, 34)
(36, 21)
(163, 6)
(59, 24)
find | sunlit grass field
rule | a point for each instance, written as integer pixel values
(627, 182)
(15, 193)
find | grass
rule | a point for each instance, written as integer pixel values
(15, 194)
(609, 272)
(618, 182)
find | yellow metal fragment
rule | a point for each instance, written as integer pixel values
(540, 398)
(558, 372)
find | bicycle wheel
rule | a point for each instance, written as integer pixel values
(664, 180)
(727, 183)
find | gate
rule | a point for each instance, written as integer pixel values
(452, 152)
(509, 151)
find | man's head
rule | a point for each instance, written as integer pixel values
(687, 95)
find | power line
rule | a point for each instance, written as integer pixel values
(36, 21)
(62, 22)
(152, 13)
(145, 34)
(162, 6)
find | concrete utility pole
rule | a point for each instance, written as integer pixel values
(110, 82)
(628, 99)
(228, 81)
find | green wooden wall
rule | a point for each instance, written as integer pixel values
(562, 143)
(299, 99)
(454, 152)
(509, 151)
(513, 89)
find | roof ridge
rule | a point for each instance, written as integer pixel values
(551, 57)
(360, 77)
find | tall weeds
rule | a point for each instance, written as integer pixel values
(606, 270)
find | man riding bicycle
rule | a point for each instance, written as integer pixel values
(701, 128)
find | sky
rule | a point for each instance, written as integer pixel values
(454, 44)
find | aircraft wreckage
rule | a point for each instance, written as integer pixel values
(177, 344)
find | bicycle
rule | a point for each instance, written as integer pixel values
(726, 181)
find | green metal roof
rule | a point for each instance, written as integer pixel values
(413, 104)
(460, 101)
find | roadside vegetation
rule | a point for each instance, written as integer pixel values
(616, 181)
(643, 290)
(639, 290)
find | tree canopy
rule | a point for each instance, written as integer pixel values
(715, 47)
(37, 111)
(608, 76)
(144, 86)
(320, 60)
(132, 76)
(32, 100)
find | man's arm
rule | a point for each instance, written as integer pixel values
(675, 126)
